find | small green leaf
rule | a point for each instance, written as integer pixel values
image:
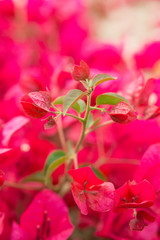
(78, 106)
(100, 78)
(36, 177)
(99, 174)
(71, 98)
(54, 165)
(58, 101)
(111, 99)
(52, 158)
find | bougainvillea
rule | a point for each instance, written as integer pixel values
(79, 120)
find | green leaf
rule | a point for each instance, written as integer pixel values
(99, 174)
(58, 101)
(36, 177)
(54, 160)
(111, 99)
(100, 78)
(71, 98)
(78, 106)
(54, 166)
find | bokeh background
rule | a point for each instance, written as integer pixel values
(40, 41)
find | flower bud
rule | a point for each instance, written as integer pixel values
(82, 72)
(36, 104)
(122, 113)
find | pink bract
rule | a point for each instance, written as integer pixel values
(135, 195)
(47, 217)
(149, 167)
(89, 191)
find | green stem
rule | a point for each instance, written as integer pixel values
(73, 116)
(97, 108)
(61, 134)
(75, 162)
(84, 123)
(100, 125)
(67, 114)
(56, 108)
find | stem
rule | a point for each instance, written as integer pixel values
(101, 125)
(56, 108)
(61, 134)
(97, 108)
(68, 114)
(73, 116)
(22, 186)
(75, 162)
(84, 123)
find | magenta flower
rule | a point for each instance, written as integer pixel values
(148, 56)
(46, 218)
(135, 195)
(11, 127)
(90, 191)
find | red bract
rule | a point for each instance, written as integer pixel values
(138, 223)
(36, 104)
(46, 218)
(90, 191)
(135, 195)
(50, 122)
(141, 220)
(122, 113)
(82, 72)
(151, 112)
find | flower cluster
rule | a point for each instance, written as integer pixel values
(79, 122)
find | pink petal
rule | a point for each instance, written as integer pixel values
(17, 233)
(79, 198)
(101, 198)
(85, 176)
(8, 156)
(150, 166)
(50, 203)
(11, 127)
